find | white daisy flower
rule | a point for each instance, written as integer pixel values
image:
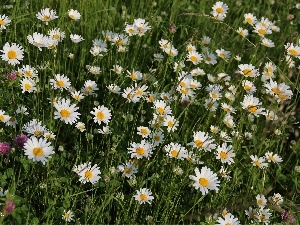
(60, 82)
(203, 141)
(75, 38)
(101, 114)
(143, 195)
(68, 216)
(74, 14)
(128, 169)
(205, 180)
(140, 150)
(90, 174)
(225, 153)
(65, 111)
(46, 15)
(12, 54)
(28, 85)
(38, 149)
(4, 21)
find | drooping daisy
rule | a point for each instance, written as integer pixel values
(143, 195)
(94, 69)
(140, 150)
(267, 42)
(101, 114)
(60, 82)
(38, 149)
(114, 88)
(270, 156)
(205, 40)
(248, 70)
(242, 32)
(12, 54)
(68, 216)
(89, 87)
(205, 180)
(224, 173)
(270, 115)
(203, 141)
(228, 108)
(175, 150)
(4, 21)
(128, 169)
(105, 130)
(75, 38)
(38, 40)
(228, 121)
(260, 162)
(225, 153)
(46, 15)
(90, 174)
(74, 14)
(65, 111)
(229, 219)
(34, 127)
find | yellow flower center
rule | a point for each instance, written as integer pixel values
(214, 95)
(170, 124)
(131, 31)
(184, 90)
(127, 170)
(276, 90)
(271, 158)
(161, 110)
(222, 55)
(133, 76)
(65, 113)
(46, 18)
(249, 20)
(293, 52)
(28, 73)
(67, 215)
(257, 163)
(37, 133)
(55, 36)
(247, 72)
(100, 115)
(174, 153)
(12, 119)
(151, 98)
(223, 155)
(219, 10)
(12, 54)
(208, 58)
(203, 182)
(259, 202)
(156, 138)
(139, 92)
(143, 197)
(120, 42)
(140, 151)
(1, 117)
(247, 87)
(60, 83)
(262, 31)
(27, 87)
(2, 22)
(38, 151)
(282, 96)
(194, 58)
(72, 16)
(88, 174)
(144, 131)
(199, 143)
(252, 108)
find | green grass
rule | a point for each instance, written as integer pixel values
(42, 192)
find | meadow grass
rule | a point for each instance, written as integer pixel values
(254, 137)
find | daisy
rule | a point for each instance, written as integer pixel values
(107, 35)
(140, 150)
(250, 18)
(171, 123)
(229, 219)
(175, 150)
(261, 201)
(49, 135)
(143, 195)
(143, 131)
(75, 38)
(29, 71)
(89, 87)
(205, 40)
(252, 105)
(22, 110)
(90, 174)
(65, 111)
(105, 130)
(46, 15)
(191, 48)
(101, 114)
(80, 126)
(211, 105)
(270, 115)
(114, 88)
(260, 162)
(94, 69)
(38, 149)
(120, 40)
(263, 215)
(205, 180)
(161, 107)
(292, 50)
(224, 173)
(117, 69)
(203, 141)
(135, 75)
(197, 72)
(214, 129)
(228, 121)
(38, 40)
(209, 58)
(223, 54)
(248, 70)
(261, 30)
(276, 199)
(74, 14)
(225, 153)
(60, 82)
(77, 95)
(28, 85)
(248, 86)
(56, 34)
(34, 127)
(242, 32)
(3, 117)
(68, 216)
(250, 213)
(128, 170)
(267, 42)
(158, 57)
(219, 8)
(273, 157)
(12, 54)
(157, 138)
(227, 108)
(4, 21)
(194, 57)
(131, 29)
(141, 25)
